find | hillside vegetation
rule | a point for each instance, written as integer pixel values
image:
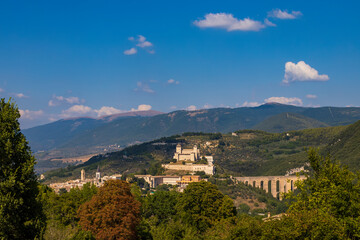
(249, 153)
(284, 122)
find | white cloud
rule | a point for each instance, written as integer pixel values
(130, 51)
(284, 100)
(172, 81)
(173, 107)
(277, 13)
(302, 72)
(311, 96)
(142, 107)
(104, 111)
(76, 111)
(58, 100)
(144, 44)
(229, 22)
(191, 108)
(141, 42)
(144, 87)
(2, 90)
(20, 95)
(269, 23)
(206, 106)
(30, 115)
(250, 104)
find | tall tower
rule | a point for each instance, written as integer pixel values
(178, 148)
(82, 175)
(98, 173)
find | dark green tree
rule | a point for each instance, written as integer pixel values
(21, 214)
(160, 205)
(202, 205)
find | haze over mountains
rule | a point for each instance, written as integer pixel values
(79, 136)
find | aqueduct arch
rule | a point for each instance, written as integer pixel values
(272, 184)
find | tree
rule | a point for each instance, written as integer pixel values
(333, 191)
(160, 205)
(21, 214)
(112, 213)
(202, 204)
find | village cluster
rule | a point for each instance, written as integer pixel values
(186, 161)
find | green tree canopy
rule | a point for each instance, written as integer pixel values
(332, 190)
(202, 204)
(21, 215)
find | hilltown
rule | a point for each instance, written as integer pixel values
(186, 160)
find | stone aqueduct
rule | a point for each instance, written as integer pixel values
(273, 184)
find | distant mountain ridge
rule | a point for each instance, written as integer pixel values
(288, 122)
(83, 135)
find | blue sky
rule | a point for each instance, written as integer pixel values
(62, 59)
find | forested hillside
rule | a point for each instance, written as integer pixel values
(247, 153)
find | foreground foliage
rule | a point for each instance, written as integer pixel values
(112, 213)
(21, 215)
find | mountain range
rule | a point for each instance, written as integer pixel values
(80, 136)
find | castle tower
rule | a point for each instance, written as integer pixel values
(98, 173)
(82, 175)
(196, 152)
(178, 148)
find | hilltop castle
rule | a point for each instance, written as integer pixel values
(186, 161)
(186, 154)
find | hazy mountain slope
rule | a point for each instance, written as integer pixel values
(334, 116)
(56, 134)
(287, 122)
(125, 131)
(52, 135)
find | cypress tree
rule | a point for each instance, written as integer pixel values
(21, 215)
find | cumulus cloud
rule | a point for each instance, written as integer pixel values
(142, 107)
(20, 95)
(229, 22)
(58, 100)
(284, 100)
(302, 72)
(140, 42)
(76, 111)
(172, 81)
(31, 115)
(277, 13)
(311, 96)
(173, 107)
(104, 111)
(206, 106)
(130, 51)
(143, 87)
(191, 108)
(269, 23)
(250, 104)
